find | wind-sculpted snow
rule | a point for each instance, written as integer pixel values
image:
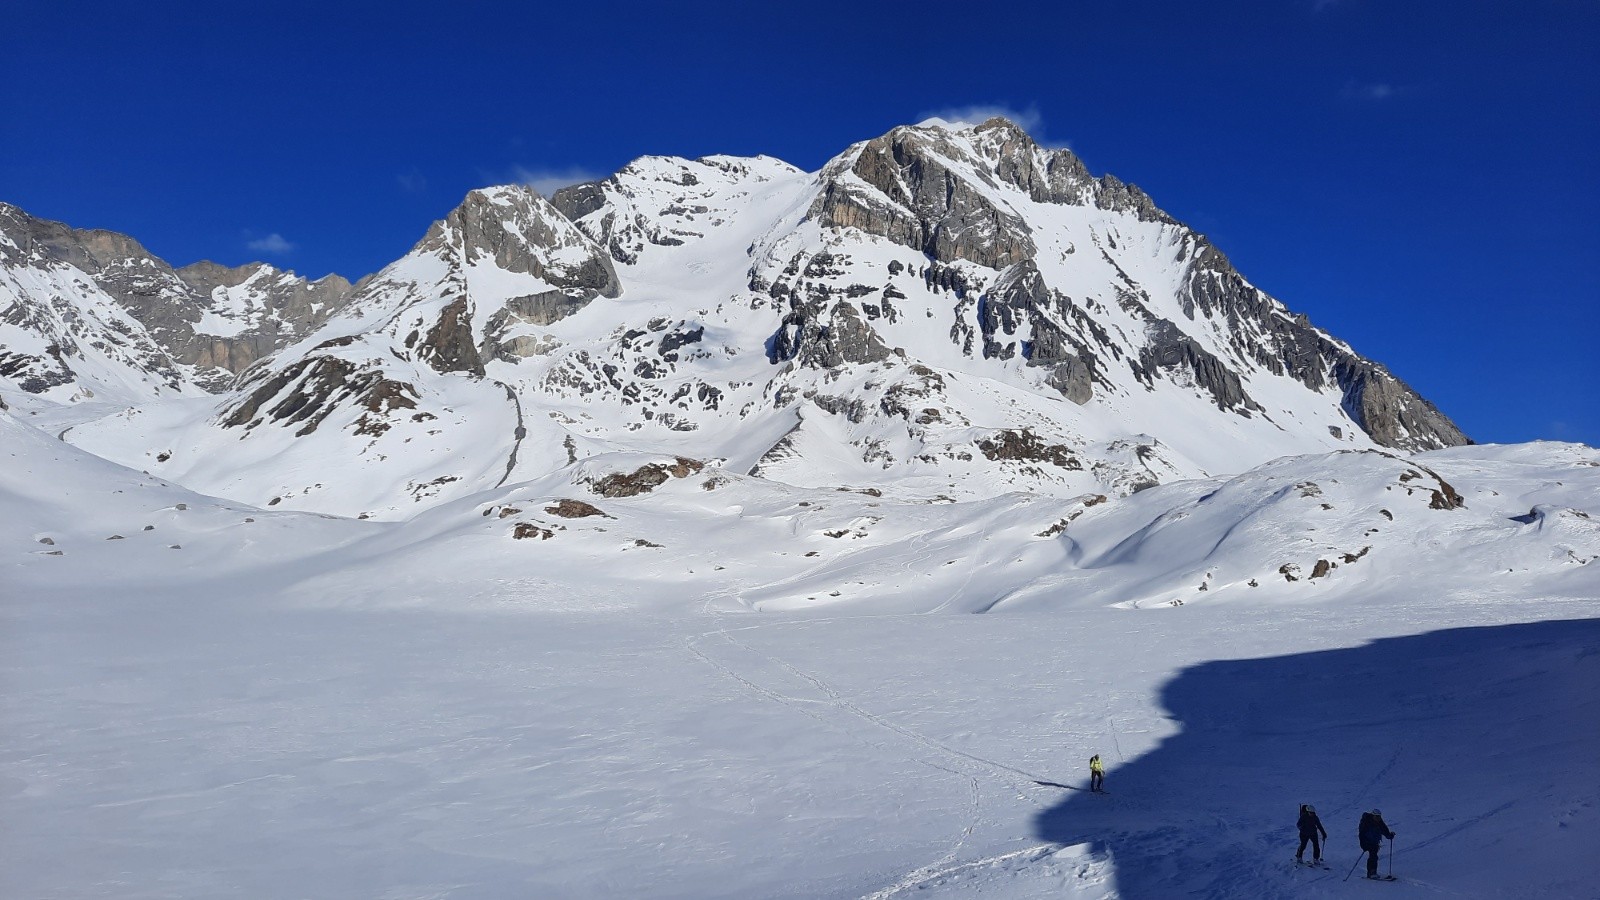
(70, 518)
(1471, 520)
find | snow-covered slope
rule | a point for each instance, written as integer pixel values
(70, 518)
(557, 684)
(939, 312)
(658, 532)
(1486, 521)
(635, 531)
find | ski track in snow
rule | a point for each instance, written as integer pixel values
(840, 703)
(946, 866)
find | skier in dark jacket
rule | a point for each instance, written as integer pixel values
(1310, 825)
(1372, 831)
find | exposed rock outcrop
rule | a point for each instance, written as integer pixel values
(646, 478)
(1025, 446)
(448, 346)
(514, 230)
(821, 335)
(901, 187)
(308, 392)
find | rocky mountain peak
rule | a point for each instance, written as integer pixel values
(206, 276)
(41, 240)
(521, 232)
(198, 326)
(948, 310)
(924, 187)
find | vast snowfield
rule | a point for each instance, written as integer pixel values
(286, 704)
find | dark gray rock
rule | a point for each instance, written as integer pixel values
(1169, 349)
(1059, 334)
(520, 231)
(1392, 413)
(823, 336)
(917, 200)
(523, 233)
(311, 389)
(448, 346)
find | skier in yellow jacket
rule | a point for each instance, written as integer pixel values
(1097, 774)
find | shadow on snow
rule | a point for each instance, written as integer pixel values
(1477, 743)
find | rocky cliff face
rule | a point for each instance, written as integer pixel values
(270, 307)
(200, 325)
(478, 288)
(973, 195)
(62, 333)
(941, 311)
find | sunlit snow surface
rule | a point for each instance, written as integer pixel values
(293, 705)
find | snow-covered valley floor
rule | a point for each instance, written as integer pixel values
(254, 742)
(203, 699)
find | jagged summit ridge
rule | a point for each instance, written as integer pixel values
(948, 310)
(86, 311)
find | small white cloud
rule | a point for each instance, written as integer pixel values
(273, 243)
(1027, 119)
(412, 182)
(1320, 5)
(1374, 92)
(548, 181)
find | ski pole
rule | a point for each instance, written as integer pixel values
(1353, 866)
(1391, 857)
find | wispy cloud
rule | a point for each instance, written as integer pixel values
(1027, 118)
(1320, 5)
(412, 182)
(548, 181)
(273, 244)
(1370, 92)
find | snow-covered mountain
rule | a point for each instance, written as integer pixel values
(495, 523)
(92, 314)
(948, 311)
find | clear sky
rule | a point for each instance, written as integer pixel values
(1421, 178)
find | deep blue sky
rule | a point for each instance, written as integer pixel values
(1421, 178)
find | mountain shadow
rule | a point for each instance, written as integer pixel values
(1478, 745)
